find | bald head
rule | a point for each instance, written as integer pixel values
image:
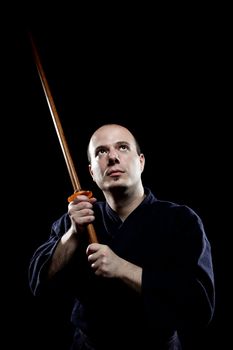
(109, 133)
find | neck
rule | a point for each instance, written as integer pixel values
(124, 200)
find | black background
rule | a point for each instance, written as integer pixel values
(167, 83)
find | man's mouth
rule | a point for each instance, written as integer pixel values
(114, 172)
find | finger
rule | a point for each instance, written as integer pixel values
(92, 248)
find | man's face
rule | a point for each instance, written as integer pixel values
(114, 158)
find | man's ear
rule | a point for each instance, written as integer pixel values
(142, 161)
(91, 172)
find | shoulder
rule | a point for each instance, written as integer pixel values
(179, 210)
(172, 208)
(175, 217)
(167, 207)
(184, 227)
(179, 213)
(61, 225)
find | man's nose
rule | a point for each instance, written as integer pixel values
(113, 156)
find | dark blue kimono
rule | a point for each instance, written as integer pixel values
(169, 242)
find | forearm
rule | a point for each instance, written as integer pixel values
(63, 253)
(131, 275)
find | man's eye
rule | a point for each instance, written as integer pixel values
(124, 147)
(101, 151)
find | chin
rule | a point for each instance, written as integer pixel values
(114, 185)
(118, 190)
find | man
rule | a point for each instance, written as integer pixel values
(149, 280)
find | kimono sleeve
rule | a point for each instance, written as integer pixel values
(39, 261)
(178, 290)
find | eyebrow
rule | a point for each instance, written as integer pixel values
(118, 143)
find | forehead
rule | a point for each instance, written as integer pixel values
(111, 134)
